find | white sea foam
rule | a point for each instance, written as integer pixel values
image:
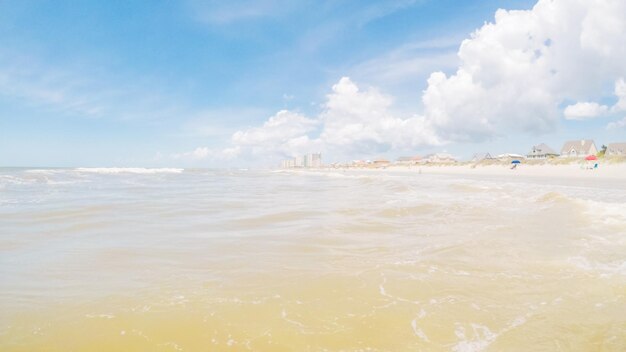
(481, 338)
(128, 170)
(604, 269)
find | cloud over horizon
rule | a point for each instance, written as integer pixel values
(526, 72)
(515, 72)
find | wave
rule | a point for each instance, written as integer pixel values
(607, 213)
(128, 170)
(615, 267)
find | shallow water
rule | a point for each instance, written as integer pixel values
(188, 260)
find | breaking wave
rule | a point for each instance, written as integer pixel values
(128, 170)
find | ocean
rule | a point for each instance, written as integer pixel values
(132, 259)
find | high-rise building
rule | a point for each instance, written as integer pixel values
(307, 161)
(315, 160)
(299, 161)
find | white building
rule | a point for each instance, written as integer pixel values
(313, 160)
(580, 148)
(307, 161)
(288, 164)
(408, 160)
(541, 151)
(507, 156)
(616, 149)
(439, 158)
(481, 156)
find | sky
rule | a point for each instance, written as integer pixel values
(195, 83)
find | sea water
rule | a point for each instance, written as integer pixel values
(115, 259)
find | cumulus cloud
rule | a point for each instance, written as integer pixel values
(196, 154)
(285, 133)
(362, 120)
(617, 124)
(204, 153)
(620, 93)
(515, 72)
(585, 110)
(351, 120)
(513, 76)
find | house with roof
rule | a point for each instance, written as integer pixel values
(509, 156)
(439, 158)
(408, 160)
(578, 148)
(616, 149)
(481, 156)
(381, 162)
(541, 151)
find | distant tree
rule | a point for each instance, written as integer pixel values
(602, 151)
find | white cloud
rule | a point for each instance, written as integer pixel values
(409, 64)
(226, 12)
(620, 93)
(196, 154)
(80, 90)
(515, 72)
(284, 133)
(203, 123)
(352, 121)
(205, 153)
(585, 110)
(200, 153)
(356, 120)
(512, 77)
(617, 124)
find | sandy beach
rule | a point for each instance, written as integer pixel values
(604, 171)
(573, 170)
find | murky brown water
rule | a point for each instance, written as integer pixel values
(198, 260)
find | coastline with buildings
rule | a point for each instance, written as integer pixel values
(576, 158)
(307, 161)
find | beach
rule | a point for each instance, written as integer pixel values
(579, 170)
(452, 258)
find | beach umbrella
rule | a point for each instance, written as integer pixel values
(591, 157)
(516, 162)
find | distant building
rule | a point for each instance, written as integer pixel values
(579, 148)
(616, 149)
(381, 162)
(507, 156)
(307, 161)
(299, 160)
(481, 156)
(288, 164)
(408, 160)
(359, 163)
(541, 151)
(438, 158)
(313, 160)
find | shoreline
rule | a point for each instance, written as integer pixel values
(611, 171)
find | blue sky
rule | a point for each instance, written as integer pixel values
(170, 83)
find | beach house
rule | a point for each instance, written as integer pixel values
(481, 156)
(578, 148)
(438, 158)
(408, 160)
(541, 151)
(509, 156)
(381, 162)
(616, 149)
